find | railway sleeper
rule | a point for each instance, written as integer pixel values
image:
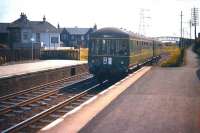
(55, 115)
(45, 121)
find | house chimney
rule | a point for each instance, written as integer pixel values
(23, 16)
(58, 26)
(44, 19)
(95, 27)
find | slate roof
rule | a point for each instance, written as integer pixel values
(40, 26)
(76, 30)
(3, 27)
(36, 26)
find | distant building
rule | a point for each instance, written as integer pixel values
(23, 32)
(4, 33)
(76, 37)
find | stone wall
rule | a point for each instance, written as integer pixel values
(25, 81)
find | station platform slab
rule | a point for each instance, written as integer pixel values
(25, 68)
(18, 77)
(75, 120)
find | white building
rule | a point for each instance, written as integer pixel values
(24, 33)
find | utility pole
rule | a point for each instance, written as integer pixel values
(181, 29)
(195, 20)
(190, 23)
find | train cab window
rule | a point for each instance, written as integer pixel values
(104, 41)
(97, 47)
(123, 48)
(108, 44)
(112, 47)
(117, 46)
(92, 46)
(103, 49)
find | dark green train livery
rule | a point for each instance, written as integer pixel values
(113, 52)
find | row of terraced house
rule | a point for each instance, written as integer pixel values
(24, 33)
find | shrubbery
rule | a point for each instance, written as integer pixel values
(176, 58)
(196, 47)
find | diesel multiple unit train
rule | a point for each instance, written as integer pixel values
(114, 52)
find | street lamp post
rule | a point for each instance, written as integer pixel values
(32, 40)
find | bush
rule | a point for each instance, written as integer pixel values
(196, 47)
(175, 59)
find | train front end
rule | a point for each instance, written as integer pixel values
(108, 53)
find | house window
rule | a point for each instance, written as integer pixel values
(82, 38)
(72, 37)
(37, 37)
(64, 36)
(54, 39)
(88, 38)
(25, 35)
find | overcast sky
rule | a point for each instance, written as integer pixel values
(164, 15)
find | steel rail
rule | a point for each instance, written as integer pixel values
(30, 120)
(41, 86)
(34, 99)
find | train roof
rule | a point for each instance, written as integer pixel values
(115, 32)
(110, 32)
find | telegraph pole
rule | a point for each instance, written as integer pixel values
(195, 20)
(181, 29)
(190, 31)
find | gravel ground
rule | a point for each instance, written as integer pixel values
(165, 100)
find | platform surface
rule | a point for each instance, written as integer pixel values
(24, 68)
(165, 100)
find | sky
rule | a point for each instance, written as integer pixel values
(161, 17)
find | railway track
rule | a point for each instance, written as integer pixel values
(17, 112)
(26, 96)
(84, 91)
(34, 113)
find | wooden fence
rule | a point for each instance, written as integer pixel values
(8, 55)
(69, 54)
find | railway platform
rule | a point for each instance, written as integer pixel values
(164, 100)
(25, 75)
(25, 68)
